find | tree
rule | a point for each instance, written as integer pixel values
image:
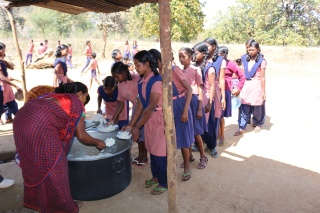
(5, 22)
(43, 19)
(186, 20)
(274, 22)
(110, 22)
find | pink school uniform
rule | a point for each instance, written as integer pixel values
(128, 90)
(251, 93)
(206, 89)
(154, 134)
(194, 77)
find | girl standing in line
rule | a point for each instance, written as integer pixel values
(149, 114)
(128, 91)
(109, 93)
(253, 93)
(200, 56)
(60, 66)
(219, 64)
(194, 77)
(231, 70)
(6, 94)
(182, 93)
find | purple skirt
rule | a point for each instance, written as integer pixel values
(184, 131)
(228, 111)
(93, 74)
(200, 125)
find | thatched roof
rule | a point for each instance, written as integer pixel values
(81, 6)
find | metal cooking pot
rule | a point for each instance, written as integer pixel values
(95, 174)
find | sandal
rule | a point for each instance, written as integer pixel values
(190, 161)
(257, 129)
(134, 160)
(240, 132)
(202, 163)
(186, 176)
(158, 190)
(149, 183)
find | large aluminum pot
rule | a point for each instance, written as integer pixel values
(97, 175)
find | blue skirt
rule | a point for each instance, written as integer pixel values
(184, 131)
(200, 125)
(228, 110)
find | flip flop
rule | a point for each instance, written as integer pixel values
(158, 191)
(190, 161)
(139, 164)
(149, 183)
(203, 162)
(134, 160)
(186, 176)
(240, 132)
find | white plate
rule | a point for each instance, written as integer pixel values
(109, 128)
(123, 136)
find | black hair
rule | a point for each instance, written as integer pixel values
(69, 45)
(156, 55)
(239, 61)
(250, 41)
(203, 48)
(58, 41)
(109, 82)
(73, 88)
(130, 64)
(114, 53)
(41, 43)
(224, 50)
(146, 56)
(94, 55)
(120, 68)
(125, 58)
(258, 56)
(46, 40)
(211, 42)
(59, 48)
(87, 42)
(187, 50)
(2, 46)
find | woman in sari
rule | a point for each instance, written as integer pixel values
(43, 131)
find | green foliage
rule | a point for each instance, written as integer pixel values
(5, 22)
(186, 20)
(270, 22)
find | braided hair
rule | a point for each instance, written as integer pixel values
(258, 56)
(213, 42)
(120, 68)
(202, 47)
(59, 49)
(187, 50)
(73, 88)
(156, 55)
(145, 56)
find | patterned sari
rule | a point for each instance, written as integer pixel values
(43, 133)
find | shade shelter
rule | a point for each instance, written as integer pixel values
(109, 6)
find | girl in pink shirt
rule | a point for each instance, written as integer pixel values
(231, 69)
(60, 66)
(181, 98)
(149, 113)
(253, 93)
(200, 56)
(194, 76)
(29, 52)
(128, 91)
(94, 69)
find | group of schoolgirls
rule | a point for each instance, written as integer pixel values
(201, 97)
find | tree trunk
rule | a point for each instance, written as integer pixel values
(15, 38)
(165, 44)
(103, 55)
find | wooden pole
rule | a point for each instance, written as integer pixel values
(15, 38)
(165, 44)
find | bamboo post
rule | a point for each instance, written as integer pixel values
(15, 38)
(165, 44)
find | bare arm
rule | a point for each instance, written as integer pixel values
(85, 138)
(120, 106)
(222, 87)
(263, 83)
(9, 65)
(212, 91)
(6, 80)
(99, 99)
(188, 88)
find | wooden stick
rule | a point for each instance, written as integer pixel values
(165, 44)
(15, 38)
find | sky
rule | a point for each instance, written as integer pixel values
(213, 6)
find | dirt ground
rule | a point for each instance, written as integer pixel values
(275, 170)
